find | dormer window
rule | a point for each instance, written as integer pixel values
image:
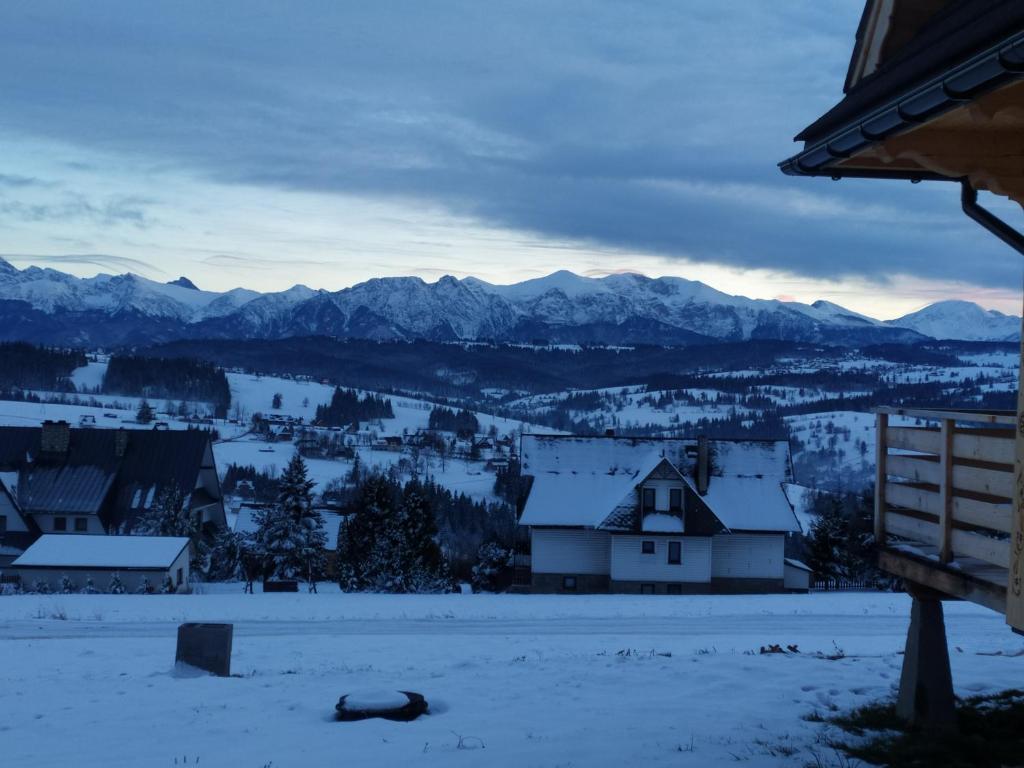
(648, 500)
(675, 501)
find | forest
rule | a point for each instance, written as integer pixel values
(168, 378)
(24, 366)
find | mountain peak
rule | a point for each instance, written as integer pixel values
(184, 282)
(6, 268)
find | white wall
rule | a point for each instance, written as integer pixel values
(796, 578)
(570, 551)
(14, 522)
(748, 555)
(630, 564)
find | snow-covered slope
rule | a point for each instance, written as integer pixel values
(46, 305)
(961, 320)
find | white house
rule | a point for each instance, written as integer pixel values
(138, 561)
(657, 515)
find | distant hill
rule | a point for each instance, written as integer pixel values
(962, 320)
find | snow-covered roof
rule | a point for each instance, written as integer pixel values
(582, 481)
(802, 499)
(94, 551)
(661, 522)
(578, 481)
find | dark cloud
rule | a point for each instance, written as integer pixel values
(646, 127)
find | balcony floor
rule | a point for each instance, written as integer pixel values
(966, 578)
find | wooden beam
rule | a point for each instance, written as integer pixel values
(943, 579)
(920, 439)
(946, 492)
(881, 473)
(1015, 582)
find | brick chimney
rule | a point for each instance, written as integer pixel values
(120, 442)
(703, 465)
(56, 437)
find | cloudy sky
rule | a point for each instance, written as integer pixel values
(264, 144)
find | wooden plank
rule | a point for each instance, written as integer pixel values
(913, 497)
(989, 480)
(995, 551)
(938, 414)
(881, 474)
(943, 579)
(946, 492)
(985, 514)
(994, 446)
(920, 469)
(912, 528)
(1015, 582)
(914, 439)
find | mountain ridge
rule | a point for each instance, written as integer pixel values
(48, 306)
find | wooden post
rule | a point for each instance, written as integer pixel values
(926, 683)
(946, 493)
(1015, 581)
(881, 473)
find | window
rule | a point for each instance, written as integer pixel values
(647, 547)
(673, 589)
(81, 524)
(181, 576)
(569, 582)
(646, 589)
(675, 500)
(675, 552)
(648, 500)
(60, 523)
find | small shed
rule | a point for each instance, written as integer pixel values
(796, 576)
(137, 560)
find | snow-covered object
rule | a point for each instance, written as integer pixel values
(390, 705)
(659, 522)
(961, 320)
(73, 551)
(587, 481)
(562, 307)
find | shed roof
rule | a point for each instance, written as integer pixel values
(85, 551)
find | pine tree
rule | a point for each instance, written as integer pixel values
(67, 586)
(145, 413)
(168, 516)
(493, 562)
(116, 587)
(291, 533)
(89, 588)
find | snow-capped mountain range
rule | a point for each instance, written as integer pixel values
(49, 306)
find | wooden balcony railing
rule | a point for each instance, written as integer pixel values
(944, 492)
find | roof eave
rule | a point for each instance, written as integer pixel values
(961, 84)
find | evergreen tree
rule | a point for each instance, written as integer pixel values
(291, 533)
(116, 587)
(169, 516)
(145, 413)
(492, 568)
(67, 586)
(226, 556)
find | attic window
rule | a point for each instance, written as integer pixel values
(675, 500)
(648, 500)
(647, 547)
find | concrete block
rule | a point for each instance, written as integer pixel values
(926, 683)
(206, 646)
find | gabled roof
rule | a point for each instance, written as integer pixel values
(591, 481)
(57, 550)
(90, 471)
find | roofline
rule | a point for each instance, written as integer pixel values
(961, 84)
(126, 568)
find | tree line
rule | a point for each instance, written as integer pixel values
(169, 378)
(347, 407)
(25, 366)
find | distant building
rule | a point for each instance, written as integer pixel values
(658, 516)
(140, 562)
(102, 481)
(17, 530)
(245, 522)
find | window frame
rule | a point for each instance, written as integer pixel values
(566, 586)
(81, 525)
(60, 524)
(673, 494)
(677, 547)
(648, 547)
(651, 493)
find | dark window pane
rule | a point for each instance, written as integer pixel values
(675, 552)
(646, 589)
(647, 547)
(675, 499)
(648, 499)
(60, 523)
(569, 582)
(81, 524)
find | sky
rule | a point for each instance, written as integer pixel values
(264, 144)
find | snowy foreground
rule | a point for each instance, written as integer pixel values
(89, 680)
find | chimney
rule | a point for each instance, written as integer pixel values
(609, 433)
(120, 442)
(55, 437)
(703, 465)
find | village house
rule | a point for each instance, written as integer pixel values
(141, 563)
(658, 515)
(59, 480)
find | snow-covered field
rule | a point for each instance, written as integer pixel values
(524, 680)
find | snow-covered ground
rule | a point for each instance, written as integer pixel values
(513, 680)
